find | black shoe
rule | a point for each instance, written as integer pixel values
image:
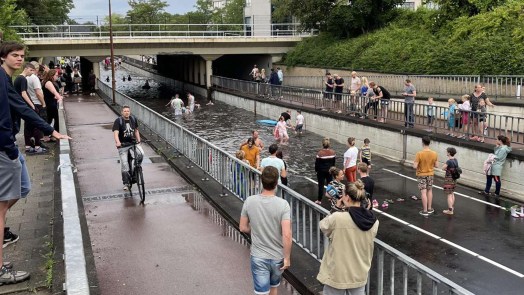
(9, 237)
(44, 146)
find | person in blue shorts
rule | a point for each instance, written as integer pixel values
(268, 219)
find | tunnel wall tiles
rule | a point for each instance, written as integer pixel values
(389, 144)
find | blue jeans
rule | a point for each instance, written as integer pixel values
(266, 274)
(25, 183)
(498, 184)
(409, 116)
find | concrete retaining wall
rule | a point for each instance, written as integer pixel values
(392, 144)
(196, 90)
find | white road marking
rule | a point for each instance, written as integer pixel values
(465, 250)
(459, 194)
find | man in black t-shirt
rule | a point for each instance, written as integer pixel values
(382, 95)
(286, 115)
(339, 88)
(125, 133)
(32, 135)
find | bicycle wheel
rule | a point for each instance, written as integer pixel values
(140, 184)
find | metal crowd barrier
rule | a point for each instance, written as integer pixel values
(439, 86)
(466, 124)
(243, 181)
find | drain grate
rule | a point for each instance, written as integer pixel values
(122, 195)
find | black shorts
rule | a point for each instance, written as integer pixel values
(367, 161)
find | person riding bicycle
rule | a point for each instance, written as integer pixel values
(125, 132)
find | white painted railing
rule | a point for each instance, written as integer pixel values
(161, 30)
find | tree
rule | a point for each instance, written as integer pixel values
(234, 12)
(342, 18)
(146, 11)
(11, 16)
(451, 9)
(46, 12)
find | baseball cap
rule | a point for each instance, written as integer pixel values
(36, 64)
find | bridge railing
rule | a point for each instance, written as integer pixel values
(160, 30)
(459, 123)
(438, 86)
(243, 181)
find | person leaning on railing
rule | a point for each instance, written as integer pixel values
(347, 259)
(381, 94)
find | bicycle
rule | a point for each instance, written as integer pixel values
(134, 159)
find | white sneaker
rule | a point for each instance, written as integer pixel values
(126, 187)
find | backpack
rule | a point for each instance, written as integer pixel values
(132, 120)
(455, 171)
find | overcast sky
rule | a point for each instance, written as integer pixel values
(88, 10)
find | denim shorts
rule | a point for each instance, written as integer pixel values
(10, 177)
(266, 274)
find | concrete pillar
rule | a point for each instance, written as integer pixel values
(196, 69)
(209, 58)
(185, 67)
(191, 69)
(202, 72)
(96, 69)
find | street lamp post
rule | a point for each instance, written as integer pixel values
(113, 81)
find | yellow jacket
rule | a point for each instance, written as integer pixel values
(347, 259)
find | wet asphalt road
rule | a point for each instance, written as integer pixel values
(479, 248)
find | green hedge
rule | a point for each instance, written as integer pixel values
(488, 43)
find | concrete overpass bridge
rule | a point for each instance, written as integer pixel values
(196, 51)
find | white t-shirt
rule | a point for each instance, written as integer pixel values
(351, 154)
(177, 103)
(275, 162)
(355, 84)
(33, 83)
(300, 119)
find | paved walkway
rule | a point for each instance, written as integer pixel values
(165, 247)
(32, 219)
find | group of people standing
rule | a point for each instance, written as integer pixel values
(470, 116)
(177, 104)
(275, 79)
(351, 232)
(427, 160)
(16, 104)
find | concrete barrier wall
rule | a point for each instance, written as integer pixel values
(196, 90)
(393, 144)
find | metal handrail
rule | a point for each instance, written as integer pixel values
(243, 181)
(481, 125)
(162, 30)
(439, 86)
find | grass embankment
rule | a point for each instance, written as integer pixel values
(488, 43)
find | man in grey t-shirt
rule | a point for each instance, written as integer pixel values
(409, 101)
(268, 219)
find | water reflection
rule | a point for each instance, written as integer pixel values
(227, 126)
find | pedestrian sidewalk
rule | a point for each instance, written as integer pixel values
(164, 247)
(32, 219)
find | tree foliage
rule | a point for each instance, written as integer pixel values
(10, 15)
(487, 43)
(46, 12)
(146, 11)
(340, 18)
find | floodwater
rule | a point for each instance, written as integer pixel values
(479, 248)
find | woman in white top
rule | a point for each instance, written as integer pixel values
(281, 129)
(350, 161)
(465, 110)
